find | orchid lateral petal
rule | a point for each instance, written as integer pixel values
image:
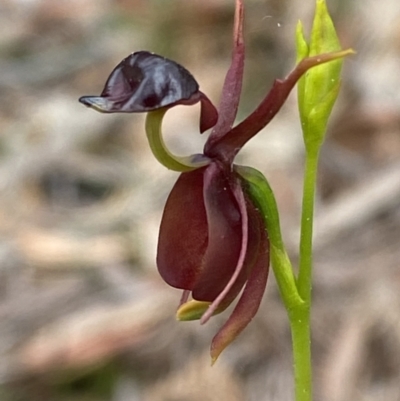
(251, 238)
(143, 82)
(183, 235)
(224, 234)
(230, 144)
(239, 196)
(233, 81)
(249, 301)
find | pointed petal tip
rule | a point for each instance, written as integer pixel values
(213, 360)
(232, 88)
(238, 24)
(95, 102)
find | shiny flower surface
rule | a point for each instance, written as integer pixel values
(213, 243)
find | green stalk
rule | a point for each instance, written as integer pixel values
(300, 317)
(304, 280)
(298, 308)
(301, 348)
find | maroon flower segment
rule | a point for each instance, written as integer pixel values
(144, 82)
(212, 242)
(202, 236)
(253, 292)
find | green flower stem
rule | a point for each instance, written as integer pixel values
(301, 343)
(307, 217)
(161, 152)
(297, 303)
(300, 317)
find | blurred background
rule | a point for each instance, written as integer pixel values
(83, 313)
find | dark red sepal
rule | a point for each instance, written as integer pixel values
(183, 235)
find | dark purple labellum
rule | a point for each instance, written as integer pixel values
(143, 82)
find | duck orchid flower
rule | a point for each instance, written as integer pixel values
(213, 242)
